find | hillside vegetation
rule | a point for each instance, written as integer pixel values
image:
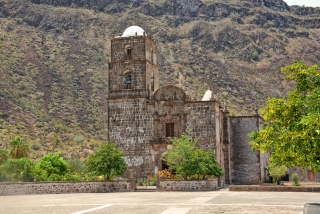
(54, 54)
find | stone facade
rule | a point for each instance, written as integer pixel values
(196, 185)
(66, 187)
(143, 115)
(247, 167)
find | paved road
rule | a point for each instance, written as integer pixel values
(221, 201)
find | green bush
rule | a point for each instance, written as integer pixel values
(4, 155)
(255, 55)
(51, 167)
(295, 179)
(198, 164)
(78, 139)
(2, 173)
(76, 166)
(72, 177)
(17, 170)
(276, 172)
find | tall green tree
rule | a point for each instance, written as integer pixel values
(292, 129)
(19, 148)
(107, 161)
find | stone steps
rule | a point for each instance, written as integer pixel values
(145, 189)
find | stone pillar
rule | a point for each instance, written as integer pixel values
(132, 183)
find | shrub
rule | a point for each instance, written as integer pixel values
(4, 155)
(276, 172)
(165, 174)
(51, 167)
(78, 139)
(18, 170)
(36, 146)
(45, 118)
(255, 55)
(295, 179)
(199, 164)
(72, 177)
(76, 166)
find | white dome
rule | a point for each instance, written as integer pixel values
(132, 30)
(207, 96)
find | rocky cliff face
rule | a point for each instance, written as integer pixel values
(54, 52)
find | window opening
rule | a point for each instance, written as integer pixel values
(152, 84)
(129, 56)
(151, 56)
(169, 129)
(127, 81)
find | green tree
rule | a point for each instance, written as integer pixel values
(18, 170)
(19, 148)
(181, 149)
(292, 130)
(187, 161)
(51, 167)
(107, 162)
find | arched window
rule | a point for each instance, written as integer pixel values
(127, 80)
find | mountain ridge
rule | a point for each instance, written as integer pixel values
(54, 58)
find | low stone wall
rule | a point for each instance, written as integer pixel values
(181, 185)
(66, 187)
(258, 188)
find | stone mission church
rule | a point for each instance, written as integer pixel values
(142, 115)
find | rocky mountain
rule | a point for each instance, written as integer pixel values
(54, 54)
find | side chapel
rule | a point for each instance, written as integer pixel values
(142, 115)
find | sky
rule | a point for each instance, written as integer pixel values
(310, 3)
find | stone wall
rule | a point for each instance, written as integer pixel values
(66, 187)
(131, 129)
(305, 175)
(254, 188)
(195, 185)
(245, 164)
(201, 123)
(152, 74)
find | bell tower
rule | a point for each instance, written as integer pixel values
(133, 68)
(133, 77)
